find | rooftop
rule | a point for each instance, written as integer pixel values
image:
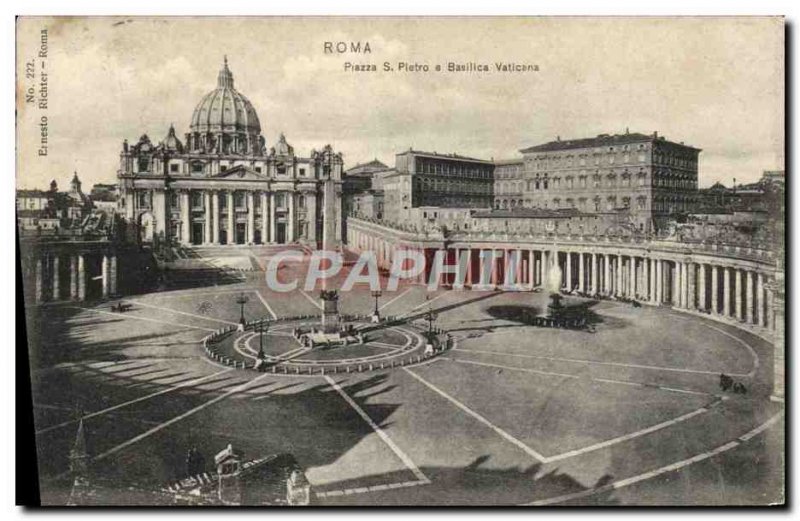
(411, 151)
(600, 140)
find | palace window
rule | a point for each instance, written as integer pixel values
(197, 168)
(303, 172)
(258, 169)
(144, 164)
(173, 167)
(223, 168)
(239, 201)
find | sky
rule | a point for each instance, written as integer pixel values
(713, 83)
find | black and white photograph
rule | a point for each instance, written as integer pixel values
(413, 261)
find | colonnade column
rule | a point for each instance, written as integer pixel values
(568, 278)
(73, 277)
(81, 278)
(702, 291)
(606, 274)
(761, 294)
(726, 291)
(749, 298)
(531, 269)
(659, 281)
(112, 275)
(594, 274)
(738, 295)
(691, 285)
(56, 285)
(104, 275)
(39, 290)
(581, 274)
(714, 290)
(632, 281)
(653, 280)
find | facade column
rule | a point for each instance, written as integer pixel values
(186, 237)
(251, 218)
(311, 218)
(39, 295)
(73, 277)
(215, 217)
(760, 294)
(264, 218)
(726, 291)
(230, 235)
(207, 200)
(749, 298)
(273, 225)
(104, 274)
(81, 278)
(738, 295)
(56, 282)
(291, 218)
(594, 274)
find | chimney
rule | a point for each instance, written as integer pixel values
(655, 134)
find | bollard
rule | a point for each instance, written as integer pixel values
(370, 367)
(348, 368)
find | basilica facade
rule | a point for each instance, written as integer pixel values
(222, 185)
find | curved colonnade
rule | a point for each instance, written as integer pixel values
(738, 285)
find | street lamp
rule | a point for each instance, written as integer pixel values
(261, 331)
(431, 317)
(376, 317)
(241, 300)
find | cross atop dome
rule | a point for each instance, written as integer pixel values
(225, 78)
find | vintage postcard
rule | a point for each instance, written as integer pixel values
(414, 261)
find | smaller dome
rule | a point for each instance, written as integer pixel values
(171, 142)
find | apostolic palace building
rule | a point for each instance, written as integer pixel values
(223, 185)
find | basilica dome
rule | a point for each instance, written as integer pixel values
(225, 110)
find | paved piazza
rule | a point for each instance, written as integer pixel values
(630, 413)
